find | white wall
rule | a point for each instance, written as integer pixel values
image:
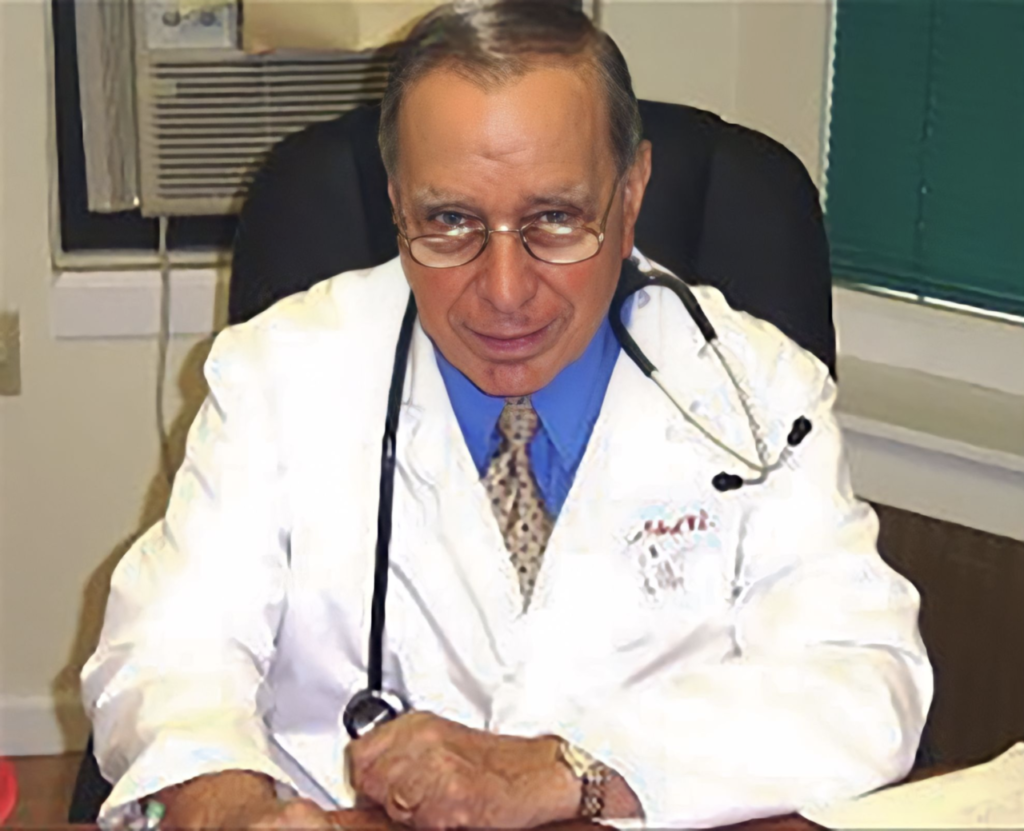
(78, 450)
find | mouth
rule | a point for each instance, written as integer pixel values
(516, 346)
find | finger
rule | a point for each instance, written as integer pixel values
(378, 778)
(446, 802)
(409, 790)
(437, 814)
(364, 751)
(398, 808)
(400, 783)
(362, 754)
(415, 732)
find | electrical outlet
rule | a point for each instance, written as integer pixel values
(10, 354)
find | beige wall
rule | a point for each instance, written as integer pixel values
(756, 62)
(78, 450)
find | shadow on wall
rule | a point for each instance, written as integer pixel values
(66, 686)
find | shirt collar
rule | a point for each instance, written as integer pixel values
(476, 411)
(576, 391)
(561, 406)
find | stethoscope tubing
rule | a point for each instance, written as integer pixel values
(634, 280)
(388, 462)
(373, 706)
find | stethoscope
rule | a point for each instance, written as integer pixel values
(374, 705)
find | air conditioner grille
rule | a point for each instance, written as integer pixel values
(205, 127)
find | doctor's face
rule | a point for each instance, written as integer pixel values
(506, 155)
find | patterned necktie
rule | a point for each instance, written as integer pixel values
(518, 506)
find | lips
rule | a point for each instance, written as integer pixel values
(515, 346)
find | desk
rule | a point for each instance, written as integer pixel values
(378, 821)
(46, 782)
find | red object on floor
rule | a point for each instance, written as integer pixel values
(8, 789)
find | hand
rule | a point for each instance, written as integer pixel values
(292, 815)
(429, 772)
(236, 799)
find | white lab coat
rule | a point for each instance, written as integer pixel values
(730, 654)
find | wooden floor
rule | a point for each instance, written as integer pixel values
(44, 790)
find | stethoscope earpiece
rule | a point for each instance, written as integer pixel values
(724, 482)
(801, 428)
(727, 482)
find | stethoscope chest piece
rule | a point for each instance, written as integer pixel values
(371, 708)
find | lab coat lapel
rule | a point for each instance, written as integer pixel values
(643, 460)
(456, 561)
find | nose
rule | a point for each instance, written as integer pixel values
(508, 280)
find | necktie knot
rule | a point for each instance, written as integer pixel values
(518, 421)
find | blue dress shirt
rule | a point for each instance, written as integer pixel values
(567, 409)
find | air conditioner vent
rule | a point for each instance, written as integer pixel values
(205, 126)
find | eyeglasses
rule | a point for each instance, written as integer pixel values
(558, 243)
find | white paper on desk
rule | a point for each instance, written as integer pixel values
(987, 796)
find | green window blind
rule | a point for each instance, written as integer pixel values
(925, 180)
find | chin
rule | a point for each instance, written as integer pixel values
(510, 380)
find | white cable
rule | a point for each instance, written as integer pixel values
(163, 342)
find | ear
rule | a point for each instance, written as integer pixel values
(393, 195)
(637, 177)
(396, 212)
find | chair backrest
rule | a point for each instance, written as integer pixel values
(726, 206)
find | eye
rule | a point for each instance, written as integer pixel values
(449, 219)
(557, 218)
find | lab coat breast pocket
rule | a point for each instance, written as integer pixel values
(675, 534)
(680, 555)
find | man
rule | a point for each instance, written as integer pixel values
(582, 624)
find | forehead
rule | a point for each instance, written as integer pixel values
(546, 130)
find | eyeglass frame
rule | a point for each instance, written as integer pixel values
(504, 229)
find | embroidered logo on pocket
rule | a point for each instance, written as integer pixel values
(661, 539)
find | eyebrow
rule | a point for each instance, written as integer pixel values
(430, 197)
(575, 194)
(433, 197)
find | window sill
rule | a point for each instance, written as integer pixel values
(126, 304)
(935, 446)
(931, 402)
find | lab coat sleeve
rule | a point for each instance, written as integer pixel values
(827, 689)
(173, 687)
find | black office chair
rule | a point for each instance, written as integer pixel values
(724, 202)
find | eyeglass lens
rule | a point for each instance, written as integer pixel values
(547, 241)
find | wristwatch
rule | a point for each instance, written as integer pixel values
(593, 776)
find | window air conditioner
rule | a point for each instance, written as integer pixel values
(207, 112)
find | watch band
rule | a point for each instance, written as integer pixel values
(592, 774)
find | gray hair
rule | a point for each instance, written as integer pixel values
(492, 43)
